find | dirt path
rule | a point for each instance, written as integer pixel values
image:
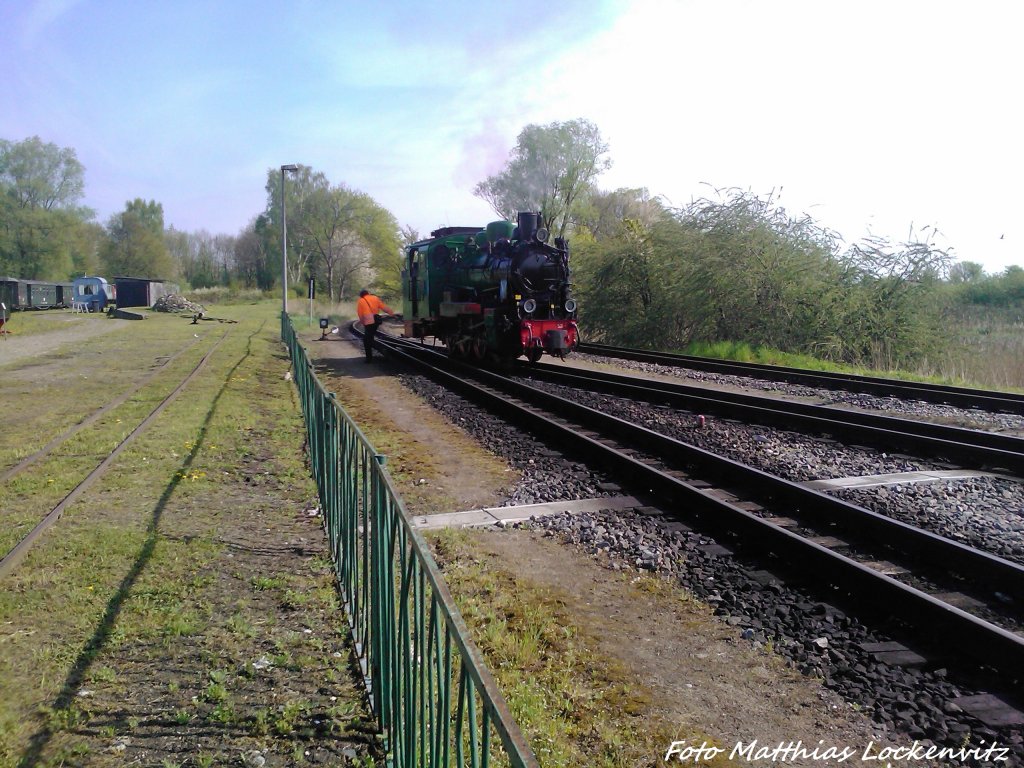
(441, 468)
(696, 669)
(68, 330)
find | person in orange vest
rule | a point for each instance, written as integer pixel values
(369, 309)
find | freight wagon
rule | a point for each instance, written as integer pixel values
(17, 294)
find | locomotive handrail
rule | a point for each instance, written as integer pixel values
(412, 644)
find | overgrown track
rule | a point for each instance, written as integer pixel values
(1004, 402)
(10, 561)
(91, 419)
(753, 511)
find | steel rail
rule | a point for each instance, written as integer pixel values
(971, 448)
(13, 558)
(940, 552)
(992, 400)
(92, 418)
(858, 584)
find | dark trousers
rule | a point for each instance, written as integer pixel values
(369, 332)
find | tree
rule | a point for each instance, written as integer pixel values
(335, 234)
(34, 243)
(135, 242)
(349, 233)
(893, 314)
(330, 221)
(549, 170)
(966, 272)
(41, 225)
(618, 285)
(299, 185)
(735, 267)
(602, 216)
(87, 240)
(202, 259)
(41, 176)
(253, 260)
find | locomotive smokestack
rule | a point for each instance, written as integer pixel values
(528, 223)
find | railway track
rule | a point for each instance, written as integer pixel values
(11, 559)
(1004, 402)
(966, 447)
(874, 569)
(91, 418)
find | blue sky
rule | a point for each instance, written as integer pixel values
(872, 117)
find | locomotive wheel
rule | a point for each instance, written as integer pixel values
(479, 348)
(533, 354)
(453, 347)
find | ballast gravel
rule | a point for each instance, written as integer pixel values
(967, 417)
(985, 512)
(816, 638)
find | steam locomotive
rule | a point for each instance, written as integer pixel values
(494, 293)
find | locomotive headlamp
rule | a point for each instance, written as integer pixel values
(570, 305)
(530, 306)
(542, 235)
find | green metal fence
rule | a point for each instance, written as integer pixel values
(436, 703)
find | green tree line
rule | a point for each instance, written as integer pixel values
(730, 266)
(736, 267)
(339, 236)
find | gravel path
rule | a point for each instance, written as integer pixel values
(68, 329)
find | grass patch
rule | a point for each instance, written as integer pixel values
(143, 595)
(575, 704)
(49, 321)
(96, 370)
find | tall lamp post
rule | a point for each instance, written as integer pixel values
(284, 243)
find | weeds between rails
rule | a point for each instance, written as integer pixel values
(11, 560)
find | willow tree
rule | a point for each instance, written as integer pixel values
(735, 267)
(892, 317)
(550, 170)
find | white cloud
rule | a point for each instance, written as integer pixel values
(864, 114)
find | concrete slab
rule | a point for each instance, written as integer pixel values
(897, 478)
(475, 518)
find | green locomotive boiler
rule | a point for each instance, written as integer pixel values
(498, 292)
